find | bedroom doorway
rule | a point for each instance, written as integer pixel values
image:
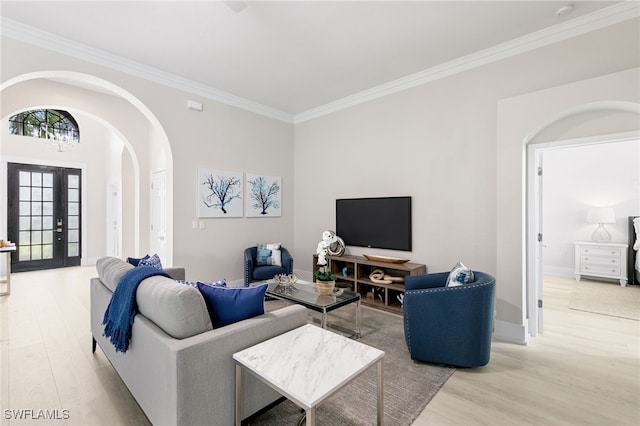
(538, 235)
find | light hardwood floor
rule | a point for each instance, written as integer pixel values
(584, 369)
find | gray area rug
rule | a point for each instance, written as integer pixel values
(606, 298)
(408, 385)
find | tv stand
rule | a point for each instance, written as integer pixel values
(376, 295)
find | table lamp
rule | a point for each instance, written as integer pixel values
(601, 215)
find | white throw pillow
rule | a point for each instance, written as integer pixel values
(460, 275)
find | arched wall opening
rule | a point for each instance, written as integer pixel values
(558, 113)
(97, 165)
(133, 131)
(592, 123)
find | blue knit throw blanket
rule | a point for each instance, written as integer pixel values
(118, 317)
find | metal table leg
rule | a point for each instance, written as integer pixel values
(311, 416)
(358, 335)
(380, 396)
(238, 394)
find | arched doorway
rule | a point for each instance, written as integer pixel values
(100, 100)
(543, 138)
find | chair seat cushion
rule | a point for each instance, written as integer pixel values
(267, 272)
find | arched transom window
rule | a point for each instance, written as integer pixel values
(55, 125)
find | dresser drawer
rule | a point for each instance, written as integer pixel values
(604, 260)
(600, 270)
(601, 260)
(600, 251)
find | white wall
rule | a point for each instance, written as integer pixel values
(453, 144)
(576, 178)
(445, 143)
(220, 136)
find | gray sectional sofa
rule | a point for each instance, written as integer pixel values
(178, 368)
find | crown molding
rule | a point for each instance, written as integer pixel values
(611, 15)
(31, 35)
(584, 24)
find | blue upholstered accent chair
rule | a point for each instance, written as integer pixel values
(254, 272)
(449, 325)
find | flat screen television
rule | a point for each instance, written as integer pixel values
(383, 222)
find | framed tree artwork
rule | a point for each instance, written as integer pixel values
(219, 193)
(264, 196)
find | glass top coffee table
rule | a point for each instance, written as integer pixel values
(305, 294)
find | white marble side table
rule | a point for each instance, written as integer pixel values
(307, 365)
(7, 250)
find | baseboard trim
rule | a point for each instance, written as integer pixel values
(510, 332)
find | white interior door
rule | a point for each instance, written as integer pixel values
(158, 242)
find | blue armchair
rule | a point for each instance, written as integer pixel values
(449, 325)
(254, 272)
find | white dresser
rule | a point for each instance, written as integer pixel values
(604, 260)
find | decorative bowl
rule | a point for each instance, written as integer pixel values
(285, 280)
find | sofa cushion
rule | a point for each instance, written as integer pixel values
(460, 275)
(229, 305)
(176, 308)
(110, 270)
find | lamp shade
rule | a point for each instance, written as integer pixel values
(601, 215)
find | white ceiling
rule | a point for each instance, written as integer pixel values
(291, 56)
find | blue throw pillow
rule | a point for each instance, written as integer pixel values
(229, 305)
(153, 261)
(135, 261)
(268, 254)
(460, 275)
